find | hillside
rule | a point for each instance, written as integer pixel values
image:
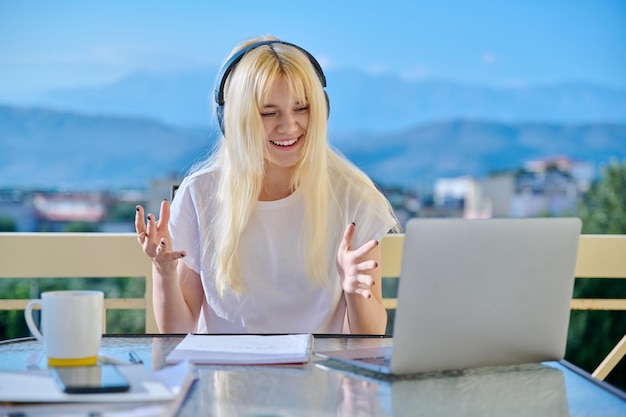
(44, 148)
(474, 147)
(51, 149)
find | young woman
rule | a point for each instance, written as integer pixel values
(275, 232)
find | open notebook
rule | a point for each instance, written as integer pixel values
(476, 293)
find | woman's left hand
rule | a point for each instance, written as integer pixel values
(355, 266)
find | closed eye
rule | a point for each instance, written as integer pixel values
(301, 109)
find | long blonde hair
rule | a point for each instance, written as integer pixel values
(241, 155)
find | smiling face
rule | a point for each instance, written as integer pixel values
(285, 120)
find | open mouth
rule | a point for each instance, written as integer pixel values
(284, 143)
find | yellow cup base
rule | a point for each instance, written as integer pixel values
(89, 361)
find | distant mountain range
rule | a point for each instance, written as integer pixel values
(359, 101)
(51, 149)
(42, 148)
(419, 155)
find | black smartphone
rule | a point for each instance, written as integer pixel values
(90, 379)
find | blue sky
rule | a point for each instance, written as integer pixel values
(58, 44)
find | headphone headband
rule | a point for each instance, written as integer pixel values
(230, 65)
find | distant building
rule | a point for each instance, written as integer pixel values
(53, 211)
(16, 205)
(581, 173)
(550, 186)
(159, 190)
(498, 192)
(460, 197)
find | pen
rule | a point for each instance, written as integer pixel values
(134, 357)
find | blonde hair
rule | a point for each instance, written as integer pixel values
(241, 156)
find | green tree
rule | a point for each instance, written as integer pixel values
(79, 227)
(604, 207)
(122, 211)
(12, 322)
(7, 224)
(593, 334)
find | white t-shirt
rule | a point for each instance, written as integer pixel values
(279, 298)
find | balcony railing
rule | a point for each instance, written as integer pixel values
(110, 255)
(599, 256)
(78, 255)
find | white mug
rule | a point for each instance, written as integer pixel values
(71, 326)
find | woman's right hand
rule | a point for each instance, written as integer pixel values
(154, 238)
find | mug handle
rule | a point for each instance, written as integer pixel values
(28, 315)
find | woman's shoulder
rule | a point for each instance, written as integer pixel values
(201, 182)
(203, 176)
(351, 182)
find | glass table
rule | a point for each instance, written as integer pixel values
(328, 388)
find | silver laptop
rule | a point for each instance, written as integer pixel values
(476, 293)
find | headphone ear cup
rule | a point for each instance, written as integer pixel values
(219, 113)
(327, 104)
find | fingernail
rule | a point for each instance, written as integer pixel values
(149, 216)
(182, 255)
(354, 223)
(137, 208)
(376, 243)
(162, 242)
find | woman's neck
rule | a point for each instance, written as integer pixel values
(276, 184)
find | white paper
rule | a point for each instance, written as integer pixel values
(146, 386)
(243, 349)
